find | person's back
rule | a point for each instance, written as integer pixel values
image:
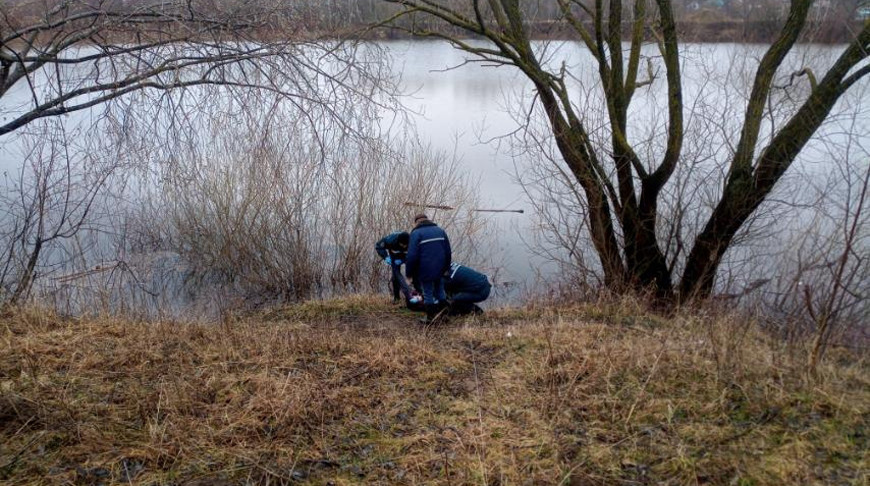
(429, 256)
(428, 252)
(466, 287)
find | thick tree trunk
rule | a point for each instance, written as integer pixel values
(651, 268)
(747, 189)
(573, 150)
(737, 204)
(600, 220)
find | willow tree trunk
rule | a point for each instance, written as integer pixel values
(622, 223)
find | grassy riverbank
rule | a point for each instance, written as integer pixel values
(352, 390)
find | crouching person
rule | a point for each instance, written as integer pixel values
(465, 288)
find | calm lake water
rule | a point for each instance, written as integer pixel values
(469, 109)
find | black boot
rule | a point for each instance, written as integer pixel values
(431, 314)
(442, 305)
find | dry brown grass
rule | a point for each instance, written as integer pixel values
(352, 391)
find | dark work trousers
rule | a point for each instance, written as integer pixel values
(433, 291)
(464, 301)
(399, 282)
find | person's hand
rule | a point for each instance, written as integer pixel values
(388, 260)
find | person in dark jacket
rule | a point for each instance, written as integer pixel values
(428, 258)
(393, 249)
(465, 288)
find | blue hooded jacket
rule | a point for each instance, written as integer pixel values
(461, 279)
(428, 252)
(389, 246)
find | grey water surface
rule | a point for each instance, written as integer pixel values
(474, 111)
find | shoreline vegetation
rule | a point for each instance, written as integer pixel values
(716, 31)
(708, 32)
(351, 390)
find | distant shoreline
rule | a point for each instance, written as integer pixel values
(725, 31)
(694, 31)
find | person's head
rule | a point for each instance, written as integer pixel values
(420, 218)
(403, 239)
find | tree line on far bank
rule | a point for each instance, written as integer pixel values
(697, 21)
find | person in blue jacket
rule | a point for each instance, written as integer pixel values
(393, 249)
(465, 288)
(428, 258)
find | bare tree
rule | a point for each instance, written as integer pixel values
(622, 180)
(63, 56)
(846, 276)
(52, 199)
(824, 273)
(151, 77)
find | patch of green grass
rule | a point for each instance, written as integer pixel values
(338, 308)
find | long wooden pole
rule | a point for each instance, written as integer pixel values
(431, 206)
(450, 208)
(519, 211)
